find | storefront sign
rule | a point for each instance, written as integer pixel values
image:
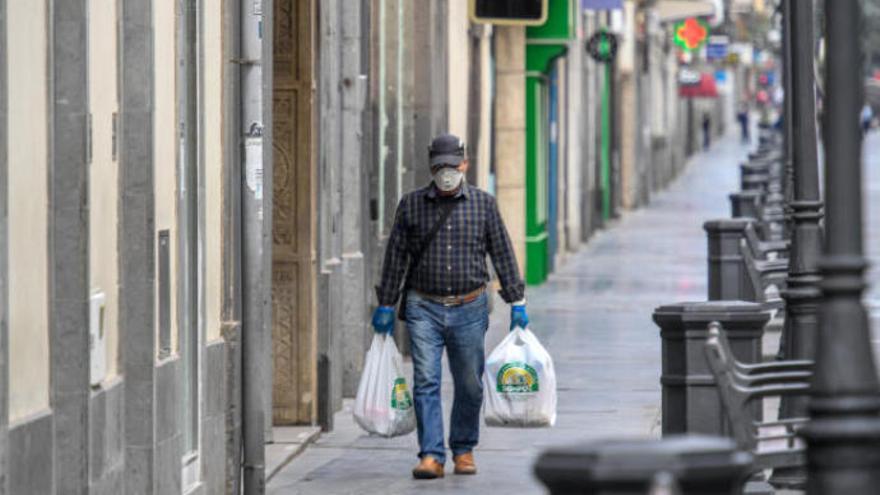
(602, 46)
(691, 33)
(717, 48)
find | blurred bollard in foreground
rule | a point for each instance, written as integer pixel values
(664, 484)
(682, 465)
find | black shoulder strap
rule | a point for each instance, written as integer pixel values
(446, 208)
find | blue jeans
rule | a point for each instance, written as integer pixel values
(461, 329)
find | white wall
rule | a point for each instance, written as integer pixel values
(213, 163)
(27, 127)
(165, 139)
(103, 177)
(458, 68)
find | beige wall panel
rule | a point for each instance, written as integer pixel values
(103, 177)
(459, 66)
(484, 149)
(28, 200)
(509, 138)
(213, 138)
(165, 138)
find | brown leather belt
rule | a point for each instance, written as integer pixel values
(454, 300)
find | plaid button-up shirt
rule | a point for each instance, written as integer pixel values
(455, 261)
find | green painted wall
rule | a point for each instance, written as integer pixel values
(543, 44)
(536, 181)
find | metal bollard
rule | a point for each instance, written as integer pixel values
(728, 279)
(754, 167)
(692, 464)
(745, 204)
(690, 401)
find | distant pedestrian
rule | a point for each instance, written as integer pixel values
(707, 131)
(743, 117)
(437, 253)
(866, 118)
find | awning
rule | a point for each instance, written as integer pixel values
(706, 88)
(676, 10)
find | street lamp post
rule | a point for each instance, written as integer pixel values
(802, 295)
(787, 102)
(843, 435)
(805, 210)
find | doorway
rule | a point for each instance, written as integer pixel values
(294, 322)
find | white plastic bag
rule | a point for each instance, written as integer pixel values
(384, 404)
(520, 383)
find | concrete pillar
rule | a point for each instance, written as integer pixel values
(575, 160)
(458, 62)
(624, 87)
(412, 154)
(68, 245)
(329, 215)
(232, 240)
(137, 242)
(355, 296)
(430, 109)
(588, 140)
(510, 134)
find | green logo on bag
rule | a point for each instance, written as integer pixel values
(517, 378)
(400, 397)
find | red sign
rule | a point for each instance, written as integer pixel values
(691, 33)
(703, 87)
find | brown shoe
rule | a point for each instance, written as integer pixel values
(428, 469)
(464, 464)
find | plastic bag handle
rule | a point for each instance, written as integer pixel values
(520, 335)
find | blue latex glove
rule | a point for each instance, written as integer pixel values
(518, 316)
(383, 319)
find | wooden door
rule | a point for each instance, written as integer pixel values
(294, 212)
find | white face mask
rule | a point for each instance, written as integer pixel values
(447, 178)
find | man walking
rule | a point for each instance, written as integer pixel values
(707, 131)
(743, 117)
(437, 251)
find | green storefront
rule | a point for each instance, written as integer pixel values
(544, 44)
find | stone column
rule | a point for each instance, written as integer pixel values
(510, 134)
(137, 242)
(69, 245)
(330, 204)
(355, 295)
